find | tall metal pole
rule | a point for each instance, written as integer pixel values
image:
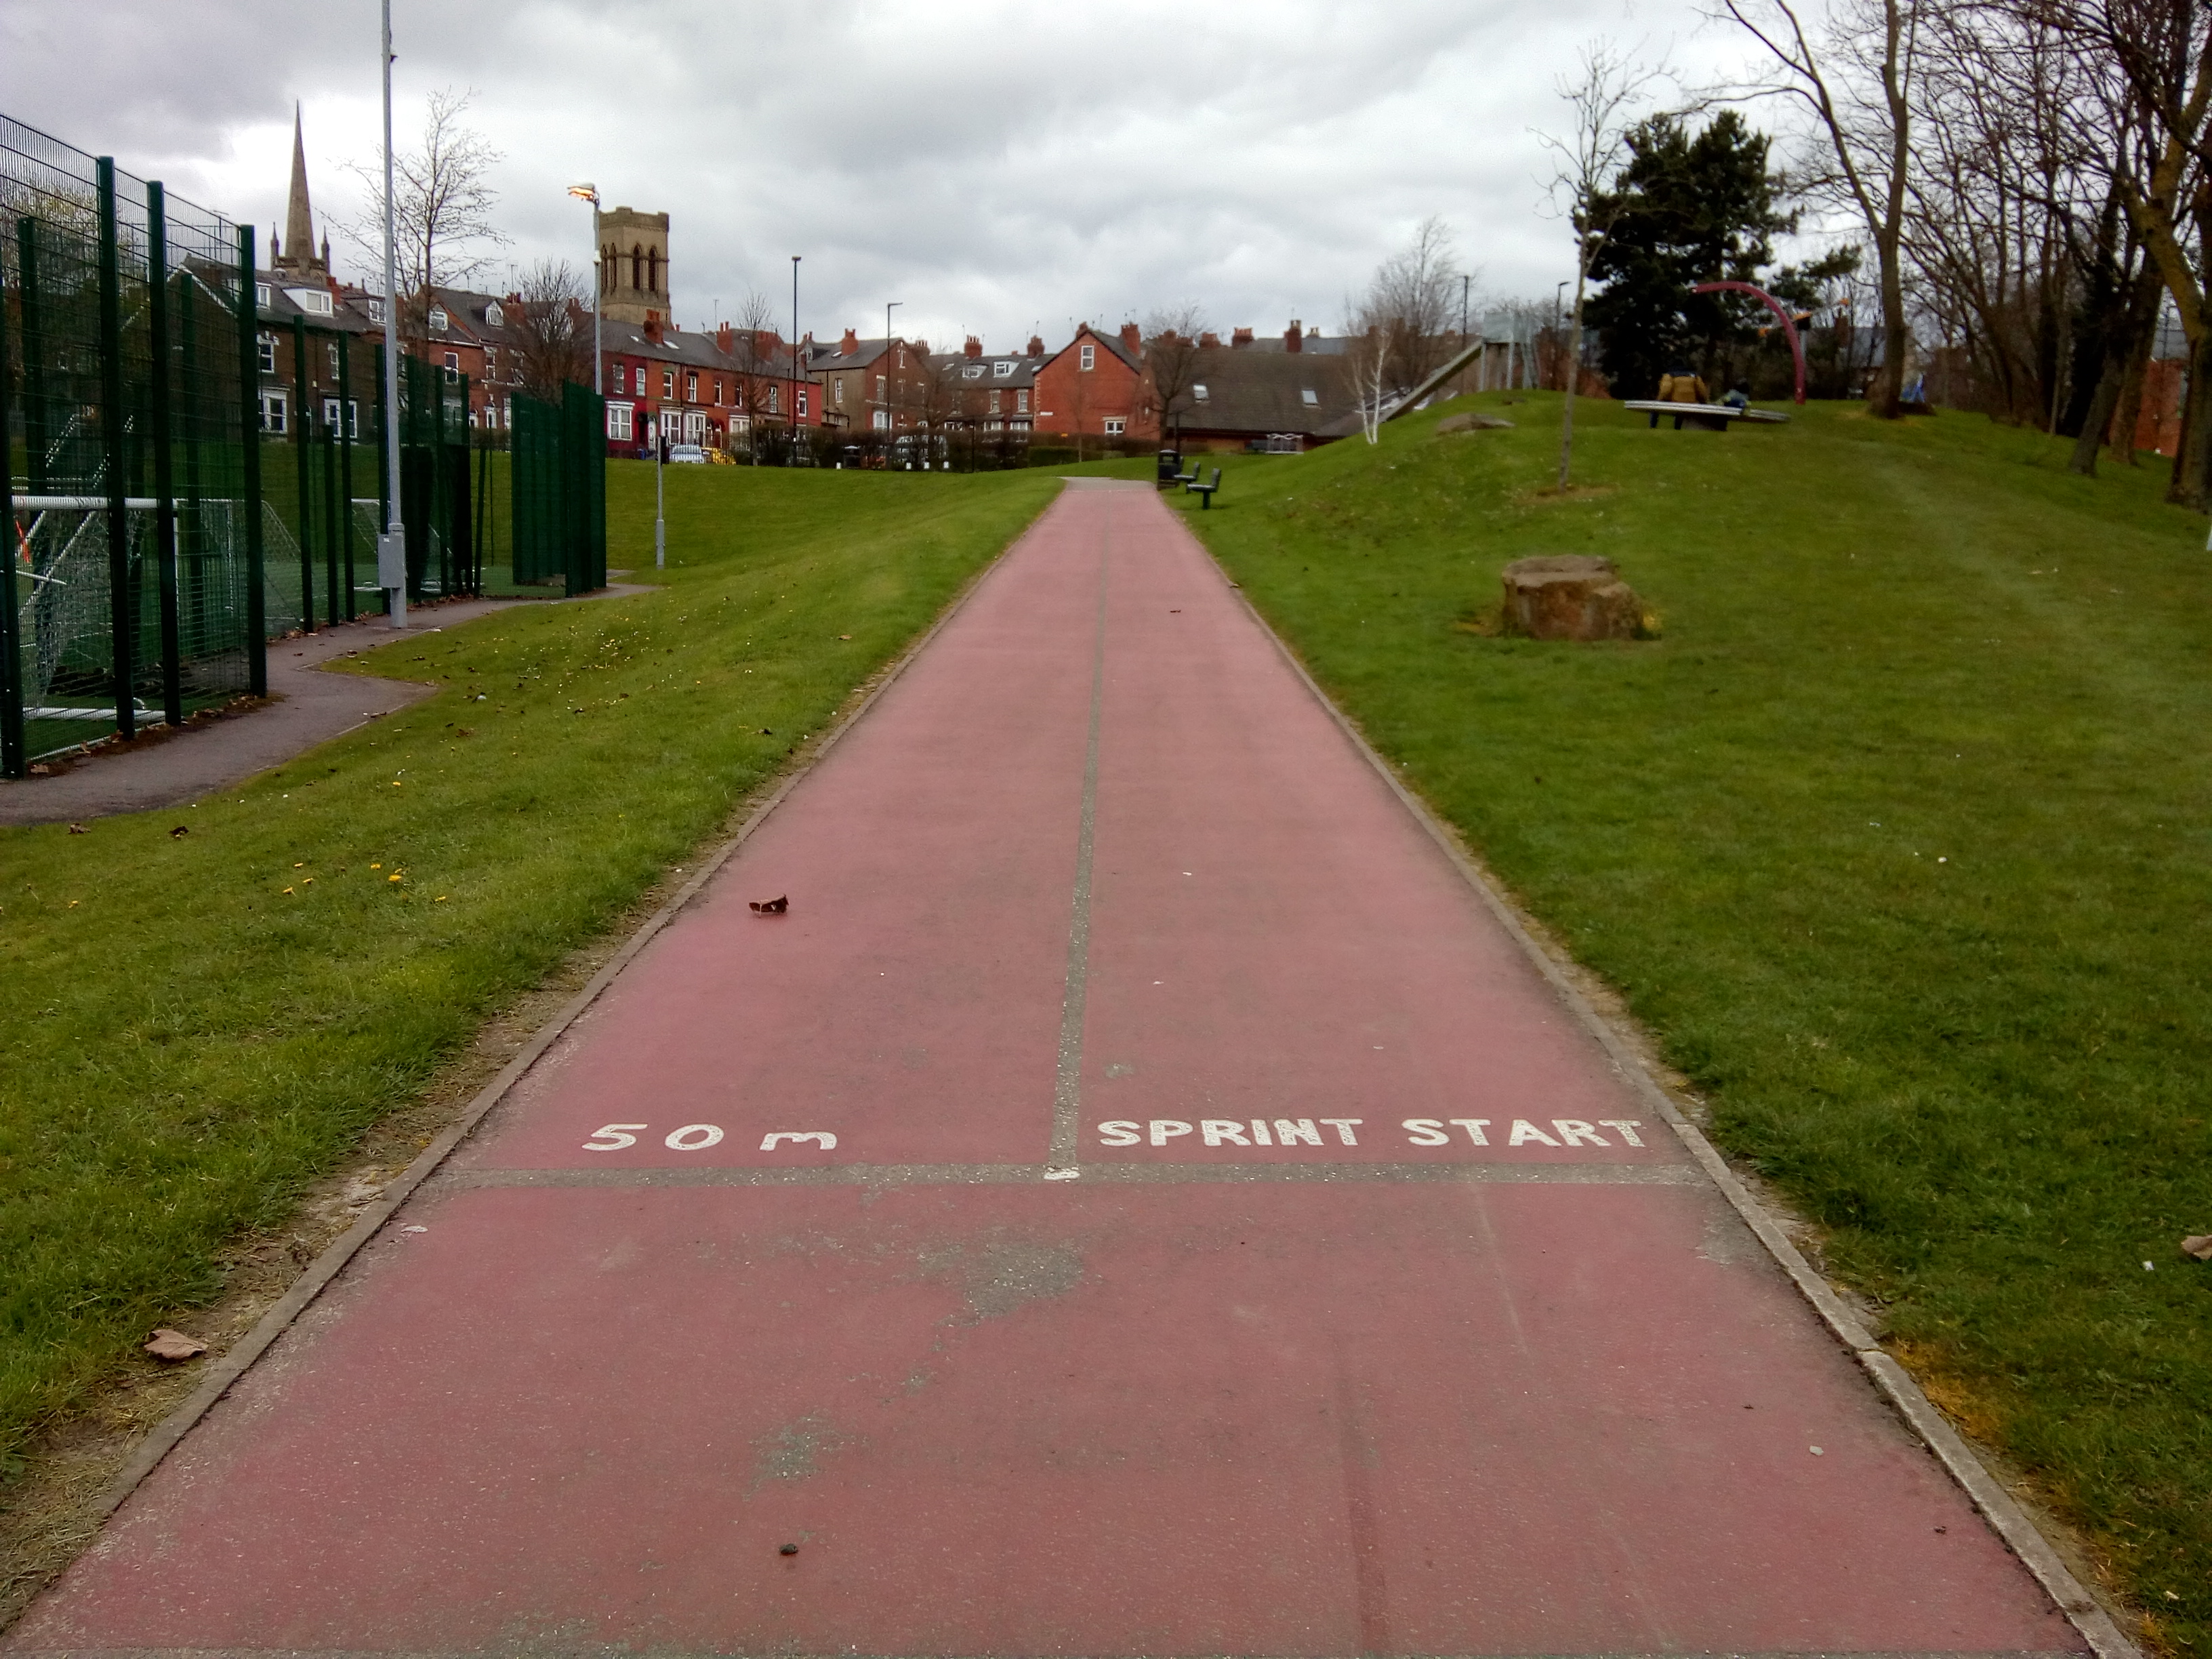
(392, 546)
(794, 359)
(122, 612)
(591, 193)
(889, 367)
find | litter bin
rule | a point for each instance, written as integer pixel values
(1171, 464)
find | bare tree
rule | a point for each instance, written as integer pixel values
(1853, 74)
(1367, 367)
(1603, 96)
(554, 329)
(1171, 357)
(1414, 298)
(755, 345)
(2158, 55)
(442, 205)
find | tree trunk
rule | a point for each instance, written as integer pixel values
(2192, 484)
(2099, 415)
(1573, 366)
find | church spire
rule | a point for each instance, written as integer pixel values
(299, 218)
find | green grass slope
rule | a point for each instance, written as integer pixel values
(1896, 838)
(195, 1027)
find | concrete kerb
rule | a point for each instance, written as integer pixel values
(2004, 1514)
(327, 1266)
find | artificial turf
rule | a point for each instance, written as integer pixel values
(1897, 839)
(198, 1025)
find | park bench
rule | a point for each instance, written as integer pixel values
(1186, 479)
(1705, 417)
(1203, 491)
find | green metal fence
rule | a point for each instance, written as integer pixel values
(560, 489)
(131, 591)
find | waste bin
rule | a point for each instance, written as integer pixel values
(1171, 464)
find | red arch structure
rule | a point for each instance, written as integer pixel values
(1788, 328)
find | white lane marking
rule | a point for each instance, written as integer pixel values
(821, 1138)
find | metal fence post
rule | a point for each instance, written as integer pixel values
(12, 760)
(301, 428)
(331, 513)
(165, 506)
(249, 505)
(383, 473)
(34, 378)
(121, 628)
(349, 425)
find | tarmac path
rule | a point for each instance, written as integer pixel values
(1215, 1237)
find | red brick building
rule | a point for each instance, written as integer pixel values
(1094, 386)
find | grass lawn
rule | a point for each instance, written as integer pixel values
(195, 1027)
(1897, 839)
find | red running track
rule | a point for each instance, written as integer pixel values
(1216, 1238)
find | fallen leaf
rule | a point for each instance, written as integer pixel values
(165, 1344)
(775, 907)
(2198, 1245)
(844, 636)
(79, 829)
(180, 832)
(394, 876)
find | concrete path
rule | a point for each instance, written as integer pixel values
(309, 707)
(1137, 1200)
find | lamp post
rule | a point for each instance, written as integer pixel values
(392, 545)
(890, 366)
(794, 359)
(591, 193)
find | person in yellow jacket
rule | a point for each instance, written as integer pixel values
(1681, 385)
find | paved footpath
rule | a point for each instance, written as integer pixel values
(1137, 1201)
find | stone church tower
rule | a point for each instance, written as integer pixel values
(633, 265)
(296, 255)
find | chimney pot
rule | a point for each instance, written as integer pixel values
(652, 326)
(1036, 345)
(973, 349)
(1293, 336)
(1209, 338)
(1242, 337)
(849, 344)
(725, 337)
(1132, 337)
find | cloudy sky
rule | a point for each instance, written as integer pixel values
(995, 165)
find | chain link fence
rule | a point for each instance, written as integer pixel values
(132, 590)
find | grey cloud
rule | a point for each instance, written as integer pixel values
(990, 165)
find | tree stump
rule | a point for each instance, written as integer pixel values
(1570, 596)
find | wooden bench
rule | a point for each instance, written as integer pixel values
(1203, 491)
(1705, 417)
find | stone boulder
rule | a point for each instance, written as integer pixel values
(1570, 596)
(1473, 423)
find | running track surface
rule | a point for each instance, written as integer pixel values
(1156, 1296)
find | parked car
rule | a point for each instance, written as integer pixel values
(686, 455)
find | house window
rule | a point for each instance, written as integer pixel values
(1022, 401)
(1089, 357)
(329, 413)
(331, 350)
(374, 307)
(691, 386)
(641, 380)
(495, 316)
(262, 296)
(353, 418)
(452, 367)
(995, 400)
(438, 319)
(1199, 392)
(973, 372)
(1309, 397)
(837, 389)
(802, 402)
(880, 388)
(266, 343)
(718, 391)
(999, 371)
(618, 421)
(491, 363)
(274, 412)
(1115, 424)
(315, 301)
(883, 421)
(667, 382)
(776, 400)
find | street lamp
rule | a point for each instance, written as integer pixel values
(794, 359)
(392, 546)
(890, 366)
(591, 193)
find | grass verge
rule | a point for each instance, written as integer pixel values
(1897, 839)
(210, 1005)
